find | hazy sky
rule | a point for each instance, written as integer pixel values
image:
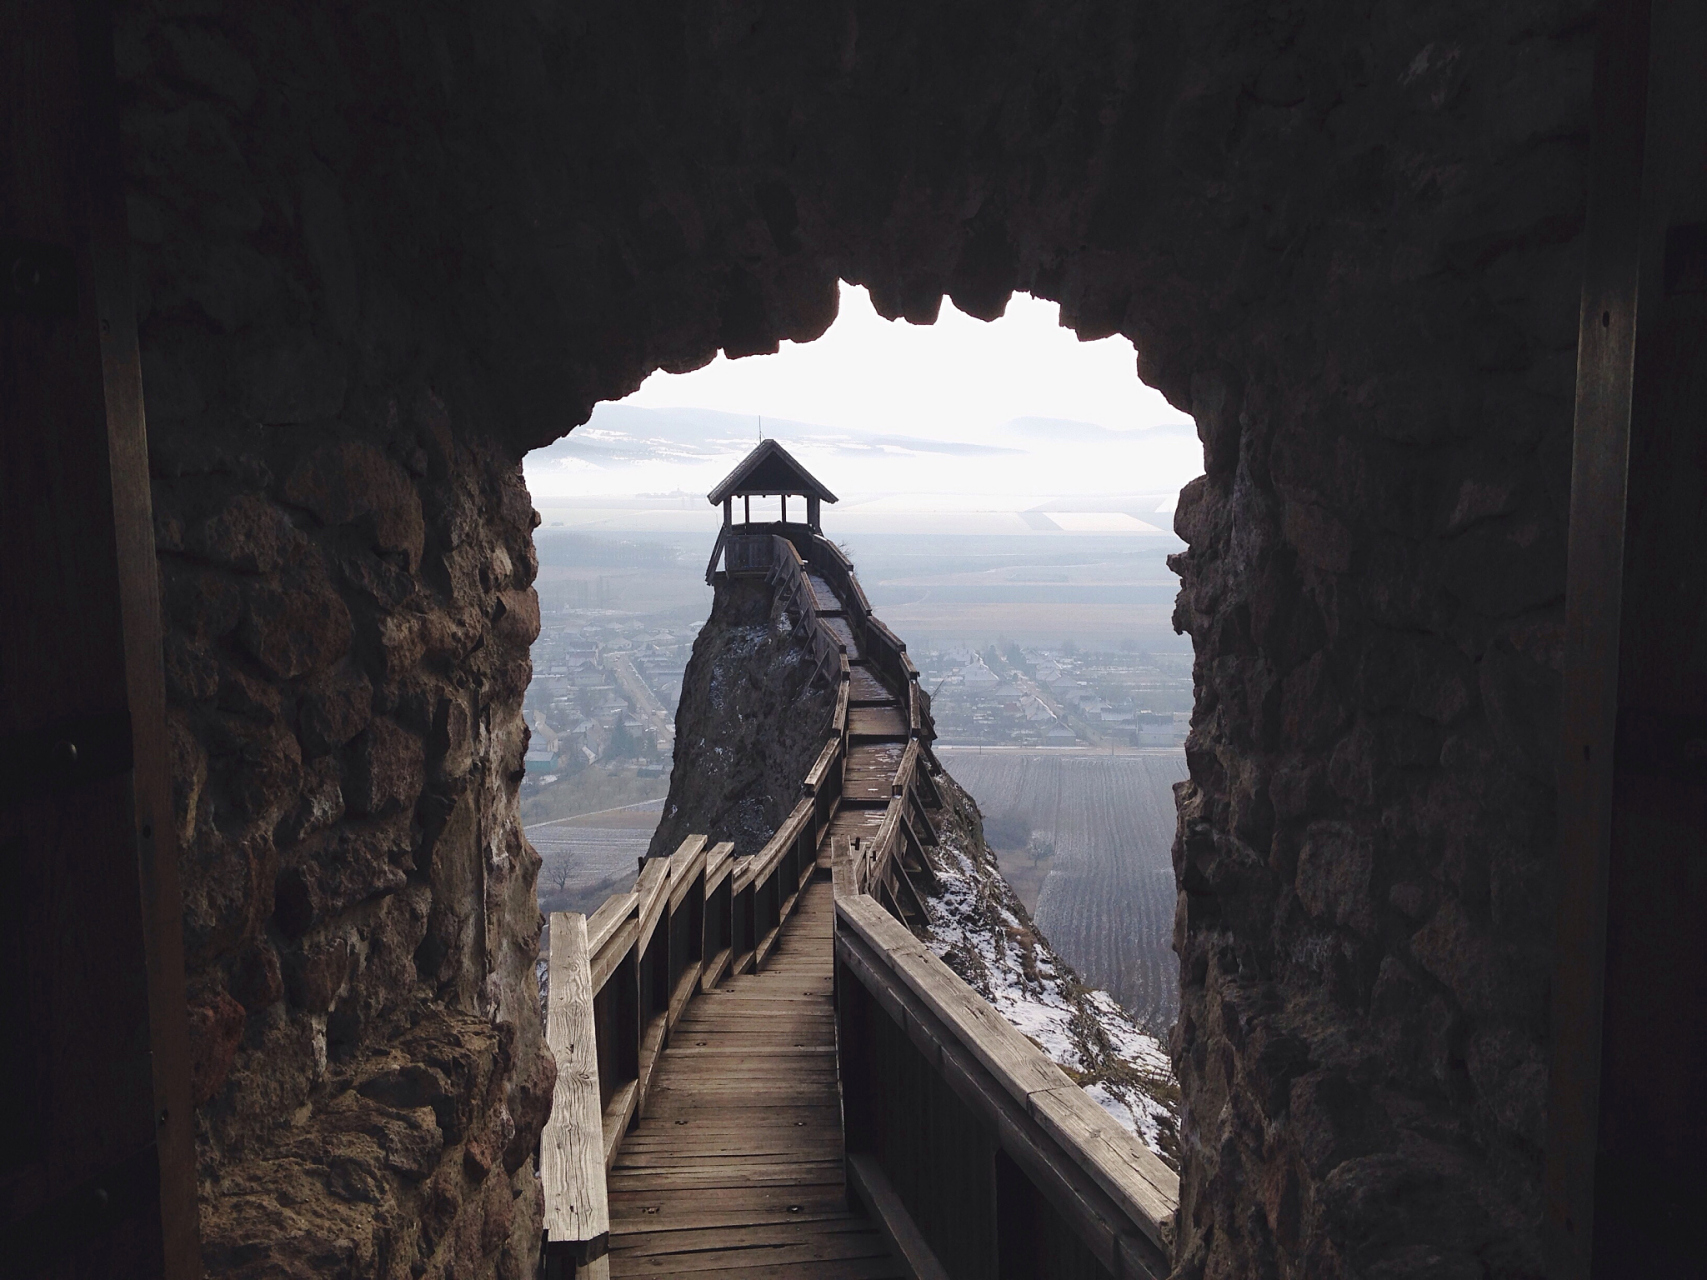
(955, 379)
(954, 418)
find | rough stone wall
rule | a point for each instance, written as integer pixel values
(358, 898)
(347, 566)
(383, 248)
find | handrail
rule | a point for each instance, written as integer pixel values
(716, 551)
(571, 1165)
(617, 983)
(1067, 1156)
(785, 836)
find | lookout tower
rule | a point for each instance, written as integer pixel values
(770, 470)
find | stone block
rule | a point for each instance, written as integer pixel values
(292, 630)
(337, 869)
(354, 481)
(315, 972)
(333, 709)
(216, 1029)
(386, 769)
(248, 534)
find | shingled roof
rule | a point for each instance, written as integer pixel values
(769, 469)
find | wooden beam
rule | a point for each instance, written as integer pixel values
(604, 923)
(715, 968)
(767, 944)
(798, 819)
(651, 1045)
(617, 1116)
(652, 888)
(686, 987)
(100, 1121)
(1606, 364)
(872, 1187)
(718, 865)
(616, 937)
(572, 1164)
(685, 865)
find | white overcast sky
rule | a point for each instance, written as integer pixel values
(860, 405)
(956, 379)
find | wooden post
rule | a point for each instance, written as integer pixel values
(812, 512)
(785, 508)
(728, 512)
(99, 1158)
(572, 1163)
(1633, 1121)
(1613, 279)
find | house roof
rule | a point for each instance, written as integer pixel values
(769, 469)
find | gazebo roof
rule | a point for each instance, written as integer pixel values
(769, 469)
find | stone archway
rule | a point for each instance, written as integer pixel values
(382, 250)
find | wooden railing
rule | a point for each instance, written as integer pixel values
(617, 983)
(881, 647)
(964, 1140)
(887, 865)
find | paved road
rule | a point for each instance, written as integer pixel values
(645, 701)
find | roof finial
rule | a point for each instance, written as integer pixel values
(761, 426)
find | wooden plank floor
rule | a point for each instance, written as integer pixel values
(864, 688)
(842, 631)
(824, 594)
(736, 1169)
(877, 722)
(871, 771)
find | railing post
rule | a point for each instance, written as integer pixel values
(572, 1166)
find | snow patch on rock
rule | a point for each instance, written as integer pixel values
(983, 932)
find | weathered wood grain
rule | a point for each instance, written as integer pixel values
(572, 1165)
(718, 864)
(1086, 1140)
(652, 888)
(736, 1167)
(685, 865)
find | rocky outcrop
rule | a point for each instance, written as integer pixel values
(383, 248)
(753, 718)
(751, 721)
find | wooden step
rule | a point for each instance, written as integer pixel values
(843, 632)
(877, 722)
(865, 689)
(823, 595)
(870, 771)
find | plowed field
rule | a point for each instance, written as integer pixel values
(1107, 903)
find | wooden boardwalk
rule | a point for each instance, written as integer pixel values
(736, 1168)
(722, 968)
(865, 689)
(823, 594)
(839, 628)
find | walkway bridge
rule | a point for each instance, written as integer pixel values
(763, 1072)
